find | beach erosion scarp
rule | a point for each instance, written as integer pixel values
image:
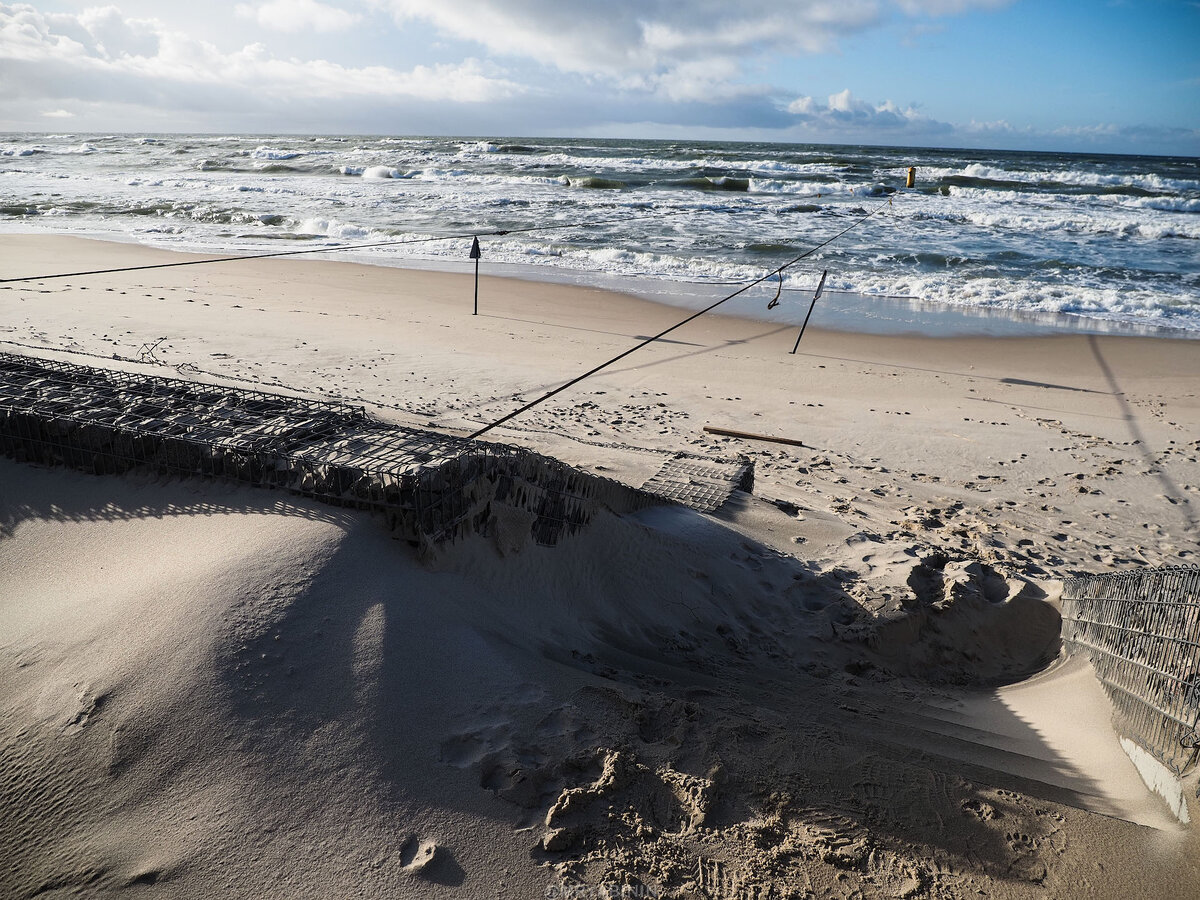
(217, 689)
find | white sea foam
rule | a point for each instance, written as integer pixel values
(796, 188)
(1073, 177)
(1164, 204)
(480, 147)
(381, 172)
(1133, 306)
(332, 228)
(270, 153)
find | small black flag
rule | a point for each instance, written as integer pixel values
(475, 254)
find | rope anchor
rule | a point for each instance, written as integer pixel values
(779, 290)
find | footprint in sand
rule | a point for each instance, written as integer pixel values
(416, 855)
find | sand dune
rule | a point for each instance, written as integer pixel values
(823, 689)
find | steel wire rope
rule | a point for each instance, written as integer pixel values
(778, 270)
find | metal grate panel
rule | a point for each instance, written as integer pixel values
(1141, 630)
(703, 484)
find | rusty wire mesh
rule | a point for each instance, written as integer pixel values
(1141, 630)
(432, 487)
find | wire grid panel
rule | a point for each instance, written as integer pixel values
(1141, 630)
(432, 487)
(703, 484)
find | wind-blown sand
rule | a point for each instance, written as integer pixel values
(209, 690)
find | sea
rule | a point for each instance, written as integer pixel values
(988, 242)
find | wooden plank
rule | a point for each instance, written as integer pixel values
(751, 436)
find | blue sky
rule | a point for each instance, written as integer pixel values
(1105, 77)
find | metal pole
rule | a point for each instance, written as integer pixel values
(811, 307)
(475, 254)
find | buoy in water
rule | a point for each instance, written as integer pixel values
(912, 176)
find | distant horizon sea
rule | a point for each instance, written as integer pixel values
(989, 242)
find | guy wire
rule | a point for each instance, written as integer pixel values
(779, 270)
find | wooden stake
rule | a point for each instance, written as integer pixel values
(751, 436)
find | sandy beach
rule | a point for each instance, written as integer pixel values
(845, 683)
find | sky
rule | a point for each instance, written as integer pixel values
(1110, 77)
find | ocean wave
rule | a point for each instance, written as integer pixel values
(1165, 204)
(270, 153)
(796, 188)
(332, 228)
(878, 189)
(1129, 305)
(711, 183)
(480, 147)
(383, 172)
(979, 175)
(593, 181)
(1009, 216)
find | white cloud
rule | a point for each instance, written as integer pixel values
(846, 114)
(58, 114)
(298, 15)
(98, 56)
(997, 126)
(842, 102)
(658, 44)
(947, 7)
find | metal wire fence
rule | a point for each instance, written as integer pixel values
(432, 487)
(1141, 630)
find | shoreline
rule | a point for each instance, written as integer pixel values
(838, 310)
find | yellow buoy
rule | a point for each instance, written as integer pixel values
(912, 176)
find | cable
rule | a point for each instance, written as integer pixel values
(650, 340)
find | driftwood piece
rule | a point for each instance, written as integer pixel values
(751, 436)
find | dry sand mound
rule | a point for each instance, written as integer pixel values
(222, 692)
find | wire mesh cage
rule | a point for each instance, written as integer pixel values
(1141, 630)
(432, 487)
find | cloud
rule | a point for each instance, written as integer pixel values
(846, 114)
(100, 56)
(298, 15)
(686, 68)
(658, 44)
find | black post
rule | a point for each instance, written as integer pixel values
(811, 307)
(475, 254)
